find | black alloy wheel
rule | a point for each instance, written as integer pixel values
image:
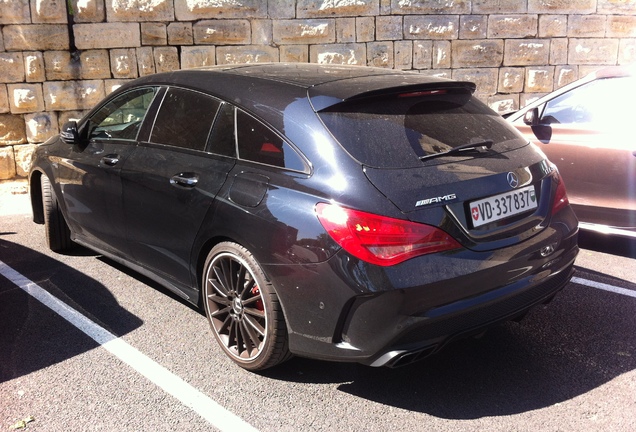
(243, 309)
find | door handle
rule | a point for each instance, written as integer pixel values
(110, 160)
(184, 179)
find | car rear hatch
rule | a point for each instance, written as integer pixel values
(445, 159)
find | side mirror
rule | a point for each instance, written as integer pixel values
(69, 133)
(531, 117)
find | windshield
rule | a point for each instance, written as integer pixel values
(396, 131)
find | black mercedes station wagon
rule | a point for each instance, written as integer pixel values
(333, 212)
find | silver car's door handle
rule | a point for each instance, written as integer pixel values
(184, 179)
(110, 160)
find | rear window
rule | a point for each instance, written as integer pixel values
(395, 131)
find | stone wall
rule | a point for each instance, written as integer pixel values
(58, 58)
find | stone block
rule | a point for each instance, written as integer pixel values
(34, 66)
(621, 26)
(365, 29)
(281, 9)
(113, 84)
(196, 56)
(526, 99)
(477, 53)
(15, 12)
(12, 130)
(25, 98)
(539, 79)
(627, 52)
(351, 54)
(403, 55)
(72, 95)
(166, 59)
(145, 61)
(35, 37)
(7, 160)
(67, 116)
(616, 7)
(484, 78)
(430, 7)
(345, 30)
(564, 75)
(59, 66)
(582, 26)
(23, 156)
(40, 126)
(499, 6)
(331, 8)
(153, 33)
(294, 53)
(422, 54)
(592, 51)
(473, 26)
(388, 28)
(513, 26)
(11, 67)
(289, 32)
(380, 54)
(431, 27)
(262, 32)
(4, 100)
(511, 80)
(107, 35)
(558, 51)
(442, 54)
(553, 26)
(48, 11)
(94, 64)
(222, 32)
(192, 10)
(180, 33)
(503, 104)
(87, 11)
(139, 10)
(526, 52)
(562, 6)
(246, 54)
(123, 63)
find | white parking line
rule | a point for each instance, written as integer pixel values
(211, 411)
(605, 287)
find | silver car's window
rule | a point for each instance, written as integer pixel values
(121, 117)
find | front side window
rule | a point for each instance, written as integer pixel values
(258, 143)
(185, 119)
(121, 117)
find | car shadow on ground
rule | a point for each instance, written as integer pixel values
(550, 357)
(32, 336)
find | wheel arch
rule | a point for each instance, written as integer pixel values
(35, 194)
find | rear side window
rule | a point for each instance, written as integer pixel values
(185, 119)
(258, 143)
(222, 140)
(395, 131)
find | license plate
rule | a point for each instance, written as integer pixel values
(502, 206)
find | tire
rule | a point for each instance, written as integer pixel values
(243, 309)
(58, 235)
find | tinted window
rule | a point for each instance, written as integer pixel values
(121, 117)
(222, 139)
(184, 119)
(258, 143)
(395, 131)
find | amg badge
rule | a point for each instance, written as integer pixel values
(436, 200)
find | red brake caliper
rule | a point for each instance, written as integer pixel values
(259, 303)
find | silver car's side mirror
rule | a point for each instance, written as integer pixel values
(531, 117)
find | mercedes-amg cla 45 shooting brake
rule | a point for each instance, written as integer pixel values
(338, 213)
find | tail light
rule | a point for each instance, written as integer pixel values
(381, 240)
(560, 197)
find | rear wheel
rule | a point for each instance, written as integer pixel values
(243, 309)
(58, 235)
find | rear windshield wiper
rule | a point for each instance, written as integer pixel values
(481, 147)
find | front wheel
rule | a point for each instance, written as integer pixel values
(243, 309)
(58, 235)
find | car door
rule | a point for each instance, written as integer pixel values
(171, 180)
(587, 134)
(90, 179)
